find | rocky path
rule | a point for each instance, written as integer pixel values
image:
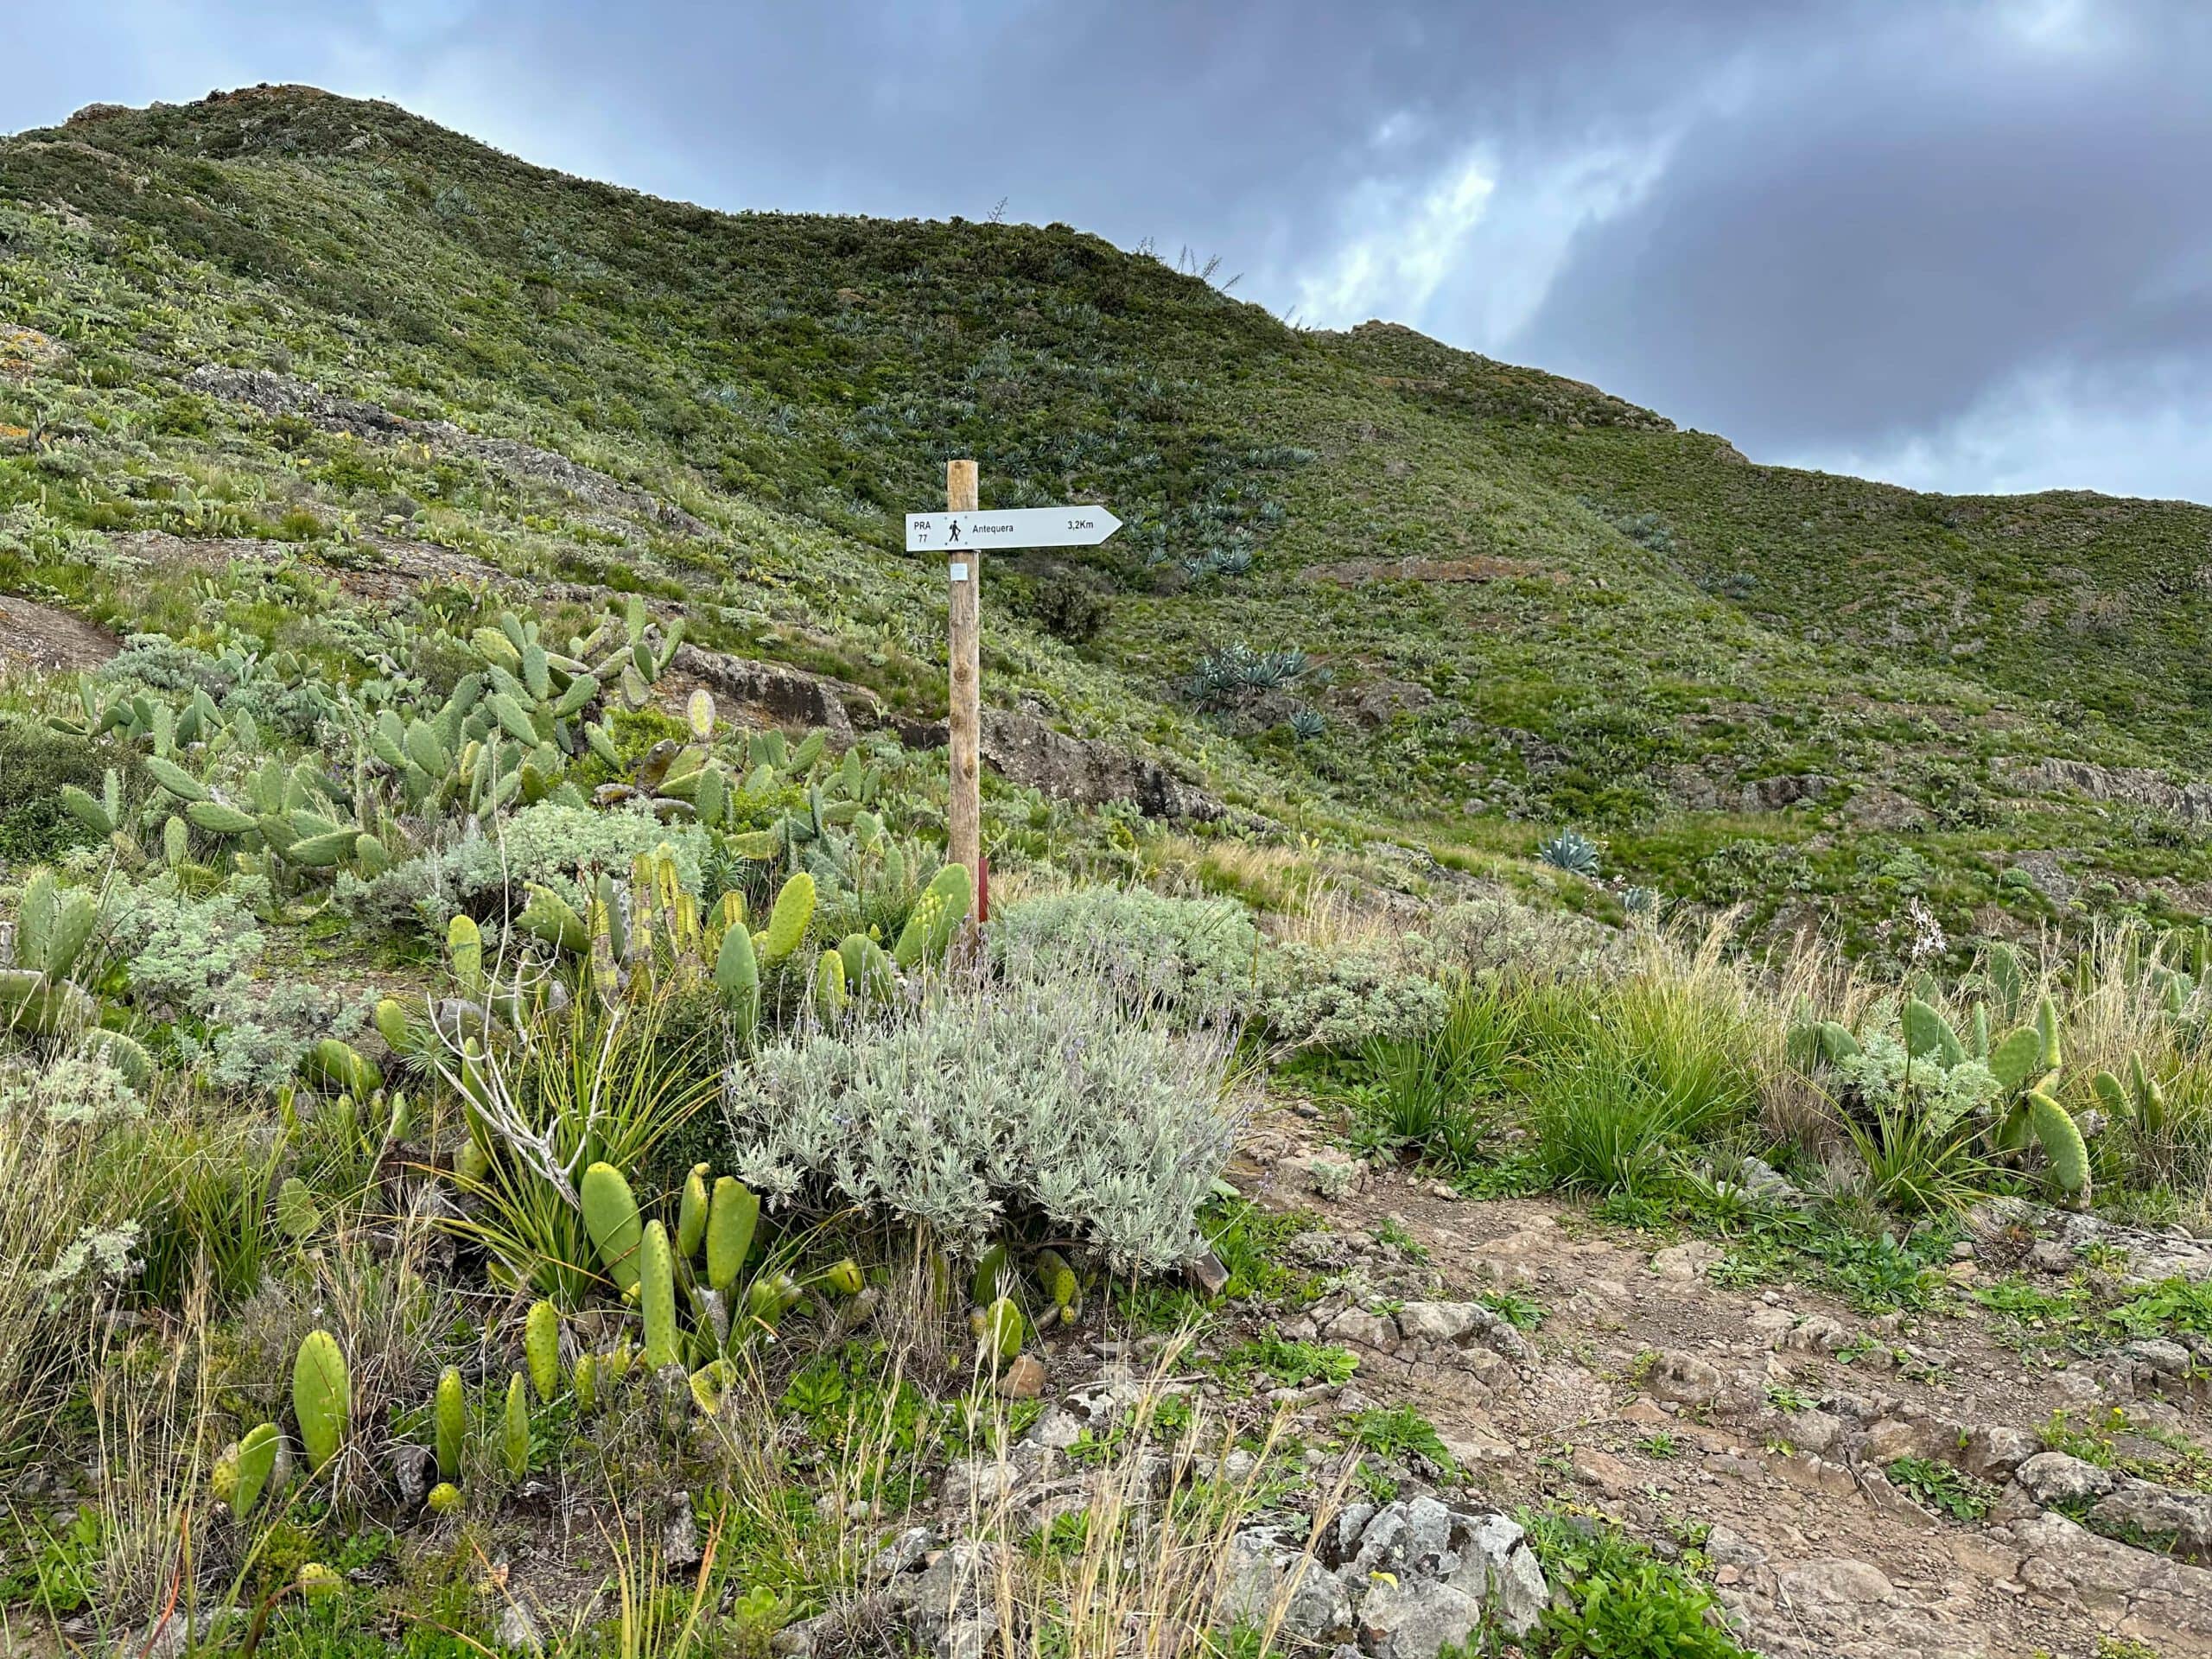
(1759, 1426)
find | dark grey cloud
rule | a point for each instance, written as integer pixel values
(1962, 245)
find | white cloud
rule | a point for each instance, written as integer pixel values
(1400, 243)
(2049, 430)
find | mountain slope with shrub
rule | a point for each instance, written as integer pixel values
(512, 1143)
(1485, 590)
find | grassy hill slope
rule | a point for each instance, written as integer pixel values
(1521, 604)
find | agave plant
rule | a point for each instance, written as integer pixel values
(1571, 851)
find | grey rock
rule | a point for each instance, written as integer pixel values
(1685, 1379)
(1817, 1335)
(517, 1631)
(413, 1470)
(680, 1549)
(965, 1638)
(1352, 1522)
(1512, 1578)
(1994, 1452)
(1891, 1438)
(902, 1554)
(798, 1640)
(2166, 1359)
(1428, 1534)
(1265, 1571)
(2151, 1511)
(1357, 1326)
(947, 1590)
(1686, 1261)
(1415, 1619)
(1836, 1582)
(171, 1637)
(1762, 1180)
(2048, 1255)
(1207, 1275)
(2053, 1478)
(1726, 1547)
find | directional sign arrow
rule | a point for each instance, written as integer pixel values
(959, 532)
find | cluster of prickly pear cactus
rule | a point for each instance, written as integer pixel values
(935, 919)
(54, 927)
(2020, 1087)
(1005, 1306)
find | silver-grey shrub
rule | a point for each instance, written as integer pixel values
(1346, 997)
(1020, 1099)
(545, 843)
(1198, 956)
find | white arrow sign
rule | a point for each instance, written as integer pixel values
(958, 532)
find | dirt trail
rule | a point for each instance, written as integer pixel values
(1657, 1396)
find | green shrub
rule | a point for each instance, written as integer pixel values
(1612, 1599)
(1658, 1064)
(183, 952)
(1495, 936)
(34, 763)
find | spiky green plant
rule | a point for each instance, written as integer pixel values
(514, 1430)
(656, 1296)
(611, 1217)
(935, 918)
(321, 1396)
(542, 1349)
(733, 1213)
(449, 1411)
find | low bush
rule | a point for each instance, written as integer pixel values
(1309, 997)
(1637, 1074)
(545, 843)
(1197, 955)
(34, 764)
(1050, 1102)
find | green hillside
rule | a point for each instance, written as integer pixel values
(1522, 605)
(516, 1138)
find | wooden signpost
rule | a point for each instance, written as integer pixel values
(960, 532)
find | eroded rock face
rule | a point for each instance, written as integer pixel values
(1018, 747)
(2131, 785)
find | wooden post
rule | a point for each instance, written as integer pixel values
(964, 816)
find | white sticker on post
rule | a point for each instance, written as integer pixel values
(960, 570)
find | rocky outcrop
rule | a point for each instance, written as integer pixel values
(2122, 785)
(280, 395)
(1020, 748)
(2055, 1241)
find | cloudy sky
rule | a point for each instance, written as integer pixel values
(1964, 247)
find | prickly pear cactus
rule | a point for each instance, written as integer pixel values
(321, 1396)
(541, 1345)
(733, 1215)
(610, 1218)
(450, 1413)
(656, 1296)
(514, 1429)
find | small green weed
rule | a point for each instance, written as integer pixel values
(1943, 1488)
(2171, 1307)
(1521, 1312)
(1399, 1432)
(1288, 1364)
(1613, 1599)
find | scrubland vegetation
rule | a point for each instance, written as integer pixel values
(502, 1148)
